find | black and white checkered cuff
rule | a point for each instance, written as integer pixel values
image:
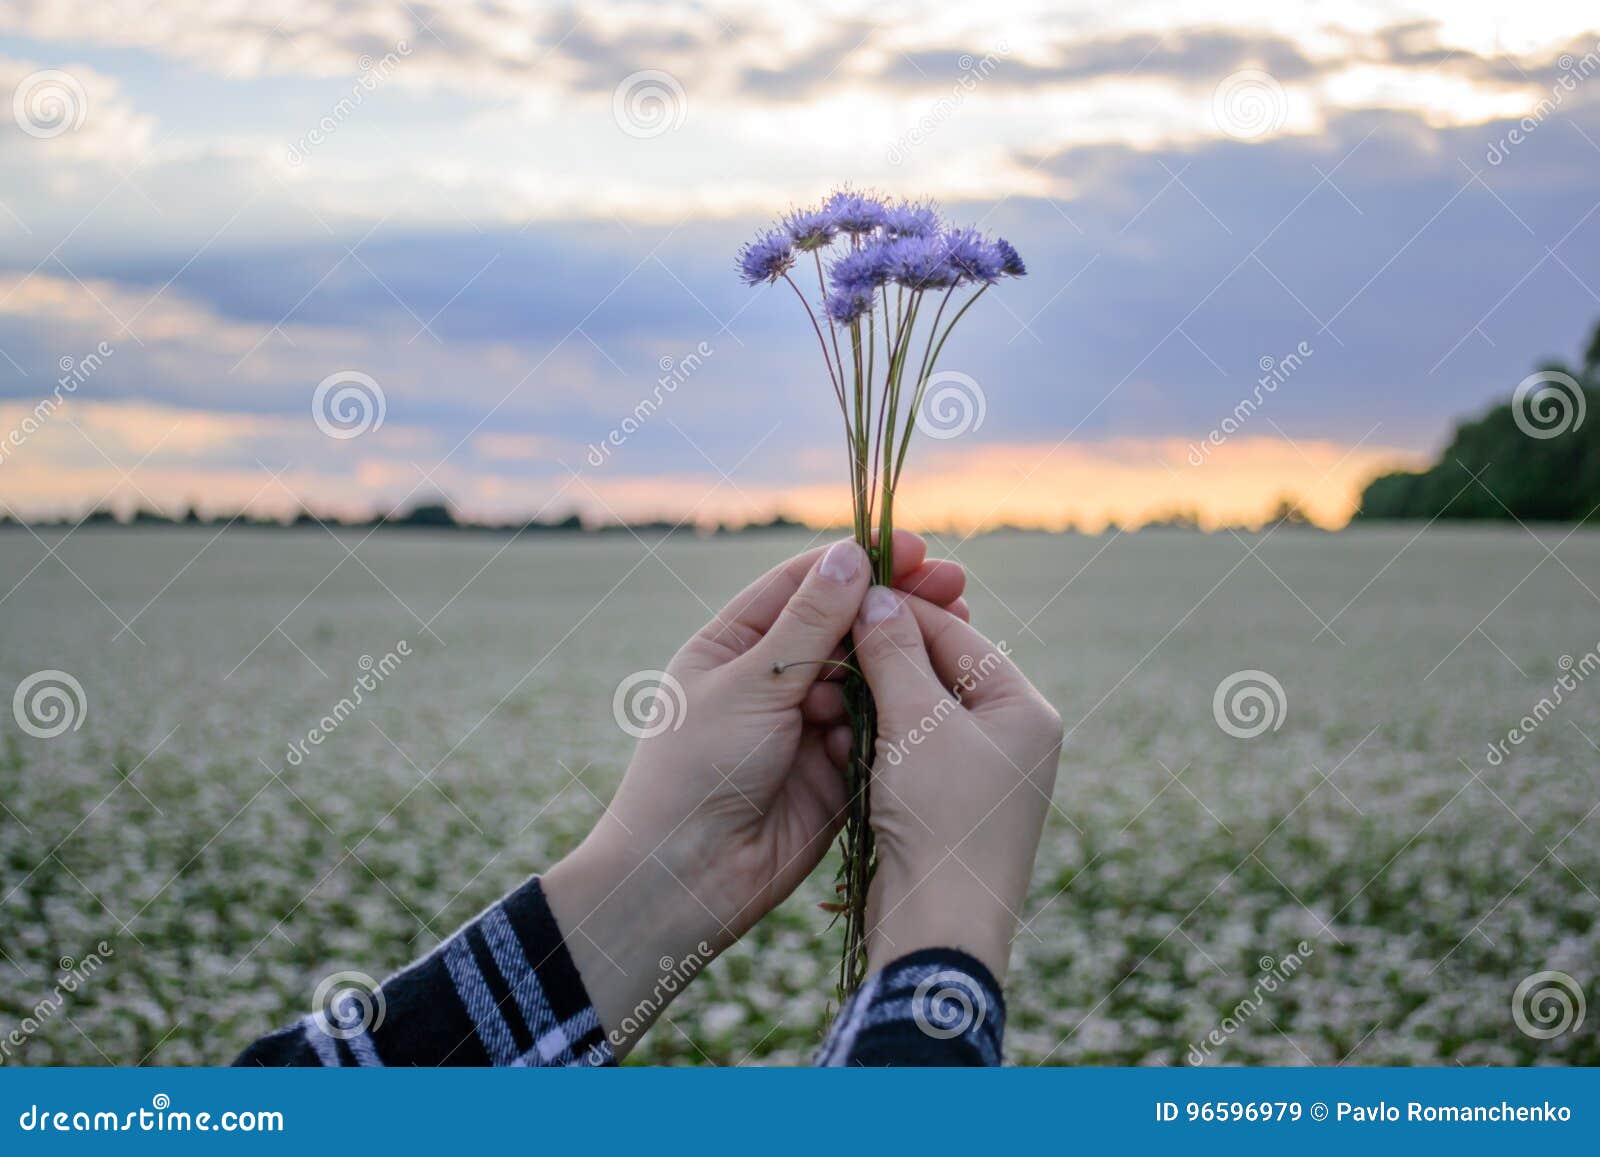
(937, 1006)
(501, 991)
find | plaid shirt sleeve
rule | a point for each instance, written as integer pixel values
(502, 991)
(937, 1006)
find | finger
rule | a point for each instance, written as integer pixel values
(892, 656)
(823, 704)
(753, 610)
(818, 784)
(959, 608)
(815, 619)
(837, 742)
(939, 581)
(963, 659)
(910, 550)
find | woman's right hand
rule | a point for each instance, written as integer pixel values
(965, 764)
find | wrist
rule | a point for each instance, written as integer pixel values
(912, 907)
(636, 936)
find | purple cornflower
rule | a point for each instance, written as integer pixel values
(848, 308)
(923, 263)
(863, 270)
(767, 258)
(854, 213)
(910, 219)
(974, 256)
(810, 228)
(1010, 260)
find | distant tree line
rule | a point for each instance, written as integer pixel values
(425, 516)
(1534, 458)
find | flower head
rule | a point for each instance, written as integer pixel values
(923, 263)
(864, 269)
(1010, 260)
(767, 258)
(911, 219)
(973, 255)
(848, 308)
(854, 212)
(810, 229)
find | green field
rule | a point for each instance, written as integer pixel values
(1426, 881)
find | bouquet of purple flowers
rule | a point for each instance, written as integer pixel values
(890, 268)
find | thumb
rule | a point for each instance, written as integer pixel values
(894, 658)
(817, 616)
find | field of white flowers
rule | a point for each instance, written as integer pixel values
(215, 878)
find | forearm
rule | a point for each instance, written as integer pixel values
(636, 932)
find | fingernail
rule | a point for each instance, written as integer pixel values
(842, 562)
(880, 603)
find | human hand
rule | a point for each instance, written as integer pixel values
(721, 816)
(961, 781)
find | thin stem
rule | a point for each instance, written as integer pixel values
(927, 372)
(838, 389)
(832, 329)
